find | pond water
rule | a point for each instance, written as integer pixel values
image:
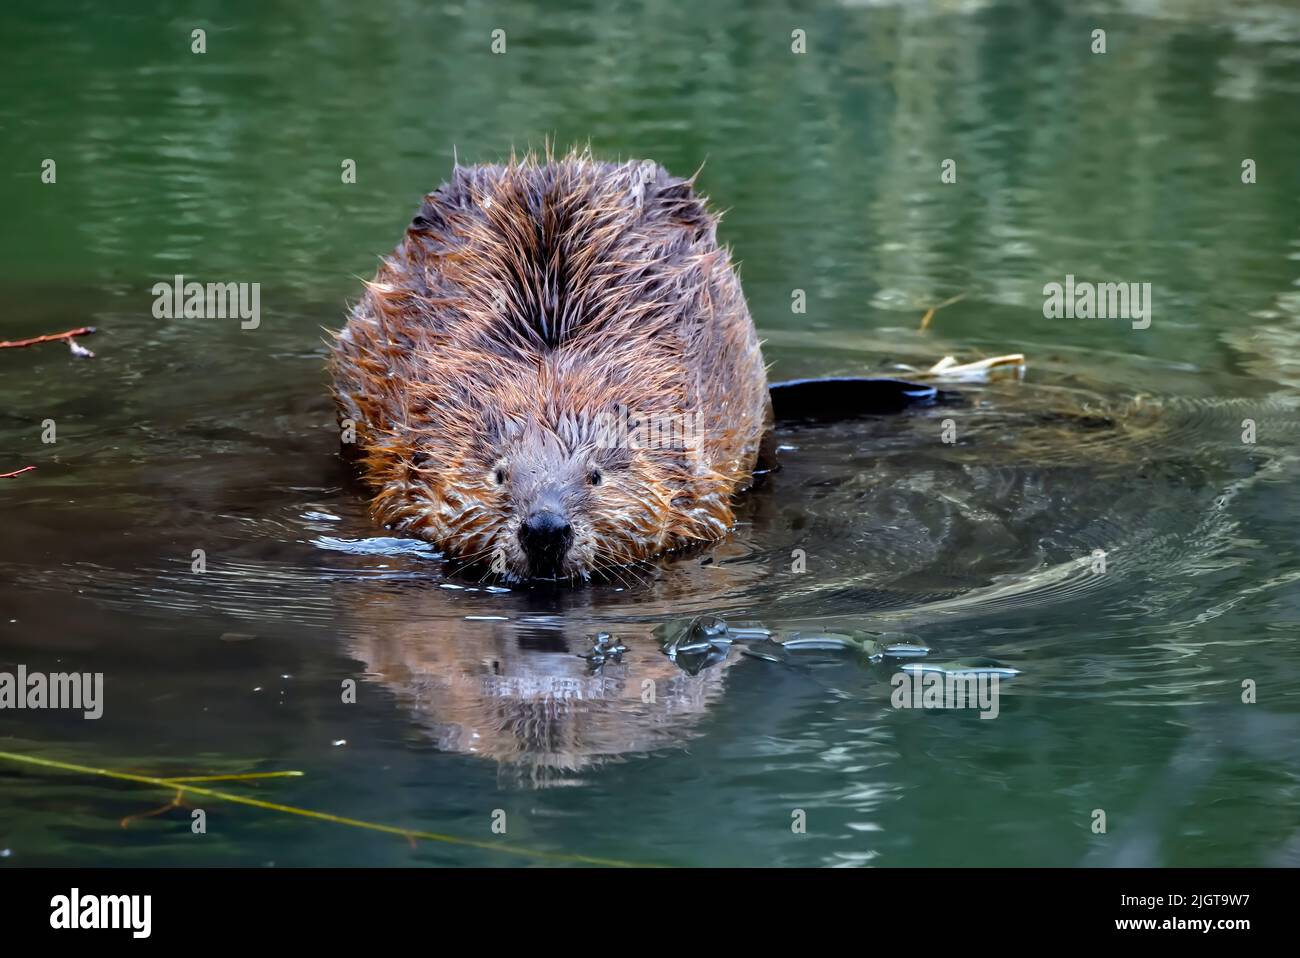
(1121, 527)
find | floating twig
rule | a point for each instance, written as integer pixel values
(16, 473)
(174, 803)
(981, 370)
(68, 337)
(177, 801)
(409, 834)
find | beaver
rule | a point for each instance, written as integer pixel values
(556, 373)
(508, 365)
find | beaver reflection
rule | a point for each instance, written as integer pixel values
(526, 694)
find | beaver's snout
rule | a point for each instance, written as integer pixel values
(545, 537)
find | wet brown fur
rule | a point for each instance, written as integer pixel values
(527, 302)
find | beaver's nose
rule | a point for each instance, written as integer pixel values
(546, 537)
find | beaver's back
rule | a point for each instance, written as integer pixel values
(610, 272)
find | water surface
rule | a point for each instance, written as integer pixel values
(184, 435)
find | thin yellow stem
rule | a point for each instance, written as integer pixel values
(408, 833)
(247, 776)
(929, 313)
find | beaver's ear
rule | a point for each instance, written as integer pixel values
(676, 200)
(430, 219)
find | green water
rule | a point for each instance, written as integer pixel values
(195, 434)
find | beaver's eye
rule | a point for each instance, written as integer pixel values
(594, 476)
(500, 476)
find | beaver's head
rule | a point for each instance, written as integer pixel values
(580, 483)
